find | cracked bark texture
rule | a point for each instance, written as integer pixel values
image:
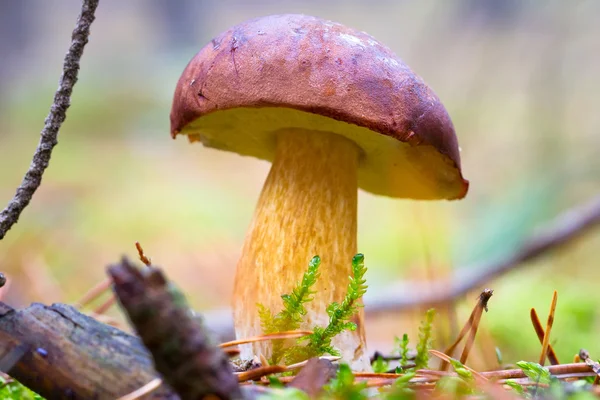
(67, 355)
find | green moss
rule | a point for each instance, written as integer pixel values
(291, 317)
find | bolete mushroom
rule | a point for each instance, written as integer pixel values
(334, 110)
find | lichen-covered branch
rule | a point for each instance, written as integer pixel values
(48, 137)
(183, 352)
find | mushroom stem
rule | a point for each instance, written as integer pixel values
(307, 207)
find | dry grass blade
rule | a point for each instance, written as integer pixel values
(447, 358)
(102, 308)
(268, 336)
(144, 390)
(470, 327)
(549, 324)
(301, 364)
(93, 293)
(539, 331)
(141, 254)
(481, 305)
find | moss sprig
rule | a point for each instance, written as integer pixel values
(340, 315)
(425, 340)
(293, 312)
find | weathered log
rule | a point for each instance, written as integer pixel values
(183, 352)
(68, 355)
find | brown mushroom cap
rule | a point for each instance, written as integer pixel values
(294, 71)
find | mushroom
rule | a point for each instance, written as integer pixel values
(333, 110)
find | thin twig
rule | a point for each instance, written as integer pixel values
(141, 254)
(49, 135)
(539, 331)
(562, 230)
(267, 336)
(447, 359)
(548, 328)
(257, 373)
(144, 390)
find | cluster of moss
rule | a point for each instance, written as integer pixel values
(291, 316)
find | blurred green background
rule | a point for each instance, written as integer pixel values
(519, 78)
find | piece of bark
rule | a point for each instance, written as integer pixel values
(185, 355)
(67, 355)
(315, 374)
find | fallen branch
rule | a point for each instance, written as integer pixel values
(183, 352)
(58, 112)
(60, 353)
(562, 230)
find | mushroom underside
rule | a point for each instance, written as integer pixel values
(387, 166)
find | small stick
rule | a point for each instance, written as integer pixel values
(144, 390)
(549, 324)
(561, 369)
(268, 336)
(539, 331)
(141, 254)
(257, 373)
